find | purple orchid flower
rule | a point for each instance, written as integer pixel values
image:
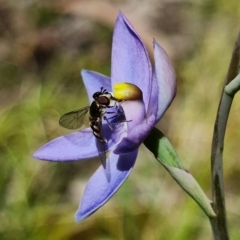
(130, 63)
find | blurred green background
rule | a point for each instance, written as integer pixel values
(43, 47)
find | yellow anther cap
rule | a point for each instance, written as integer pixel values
(127, 91)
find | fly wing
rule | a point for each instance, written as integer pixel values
(103, 157)
(73, 119)
(101, 146)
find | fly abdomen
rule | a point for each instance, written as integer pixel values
(96, 125)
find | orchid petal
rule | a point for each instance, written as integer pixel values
(153, 103)
(93, 82)
(166, 78)
(134, 112)
(137, 126)
(99, 190)
(135, 137)
(79, 145)
(130, 61)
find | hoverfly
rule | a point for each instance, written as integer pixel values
(97, 110)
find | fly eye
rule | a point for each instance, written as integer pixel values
(103, 100)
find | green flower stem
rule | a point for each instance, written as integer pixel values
(231, 86)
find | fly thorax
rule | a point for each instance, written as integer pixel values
(95, 110)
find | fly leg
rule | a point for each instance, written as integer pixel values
(116, 124)
(109, 124)
(117, 113)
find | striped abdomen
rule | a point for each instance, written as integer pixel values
(96, 126)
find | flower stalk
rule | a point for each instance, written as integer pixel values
(231, 86)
